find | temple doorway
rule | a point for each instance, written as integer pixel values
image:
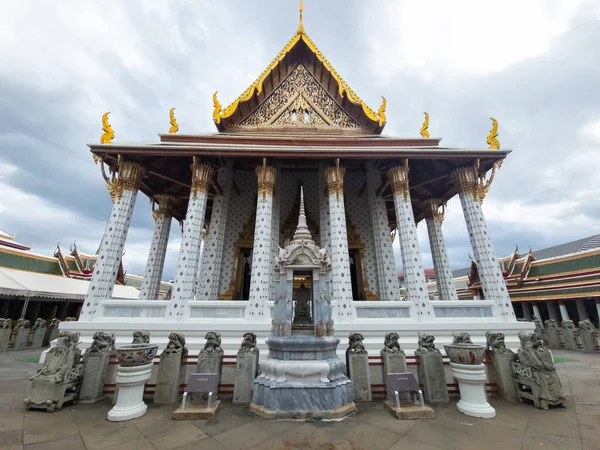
(302, 296)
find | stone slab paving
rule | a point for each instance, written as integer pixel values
(517, 426)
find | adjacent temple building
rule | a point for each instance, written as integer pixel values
(298, 127)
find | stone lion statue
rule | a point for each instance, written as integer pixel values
(495, 341)
(587, 325)
(568, 324)
(213, 342)
(5, 324)
(39, 323)
(425, 344)
(551, 323)
(248, 343)
(102, 342)
(22, 323)
(391, 344)
(141, 337)
(176, 344)
(355, 343)
(54, 323)
(461, 338)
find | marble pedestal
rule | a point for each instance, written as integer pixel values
(570, 337)
(358, 371)
(502, 373)
(393, 362)
(38, 337)
(130, 385)
(302, 378)
(471, 383)
(21, 338)
(171, 374)
(555, 338)
(589, 340)
(210, 362)
(246, 370)
(94, 376)
(5, 334)
(432, 376)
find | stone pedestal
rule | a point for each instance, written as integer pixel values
(5, 334)
(393, 363)
(471, 383)
(52, 332)
(246, 368)
(197, 411)
(432, 376)
(171, 374)
(21, 338)
(130, 383)
(502, 371)
(554, 337)
(210, 362)
(94, 376)
(409, 411)
(38, 337)
(570, 336)
(358, 371)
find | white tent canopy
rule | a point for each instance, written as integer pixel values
(32, 284)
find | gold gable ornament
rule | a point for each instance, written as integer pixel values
(174, 127)
(108, 134)
(425, 127)
(492, 139)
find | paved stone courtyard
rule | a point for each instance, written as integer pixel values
(371, 428)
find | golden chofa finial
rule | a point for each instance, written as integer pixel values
(300, 25)
(216, 109)
(381, 111)
(174, 127)
(425, 127)
(492, 138)
(108, 134)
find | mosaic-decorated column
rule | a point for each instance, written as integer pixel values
(262, 263)
(158, 249)
(324, 229)
(212, 255)
(384, 253)
(434, 215)
(472, 188)
(273, 276)
(340, 258)
(123, 187)
(189, 253)
(416, 284)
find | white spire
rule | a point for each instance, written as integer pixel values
(302, 232)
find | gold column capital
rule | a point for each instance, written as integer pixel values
(434, 208)
(266, 179)
(127, 177)
(335, 179)
(398, 177)
(470, 180)
(162, 206)
(201, 175)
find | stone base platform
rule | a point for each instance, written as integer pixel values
(197, 412)
(409, 411)
(269, 414)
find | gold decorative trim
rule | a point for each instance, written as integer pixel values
(492, 139)
(335, 179)
(108, 134)
(201, 175)
(162, 206)
(469, 180)
(425, 127)
(434, 208)
(220, 113)
(127, 178)
(266, 179)
(398, 177)
(174, 127)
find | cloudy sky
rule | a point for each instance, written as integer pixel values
(532, 64)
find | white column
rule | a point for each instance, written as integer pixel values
(212, 254)
(340, 258)
(563, 311)
(536, 311)
(552, 313)
(581, 311)
(472, 188)
(384, 253)
(434, 214)
(262, 261)
(189, 253)
(416, 284)
(123, 187)
(158, 249)
(526, 311)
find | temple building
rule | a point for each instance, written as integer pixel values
(298, 126)
(560, 282)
